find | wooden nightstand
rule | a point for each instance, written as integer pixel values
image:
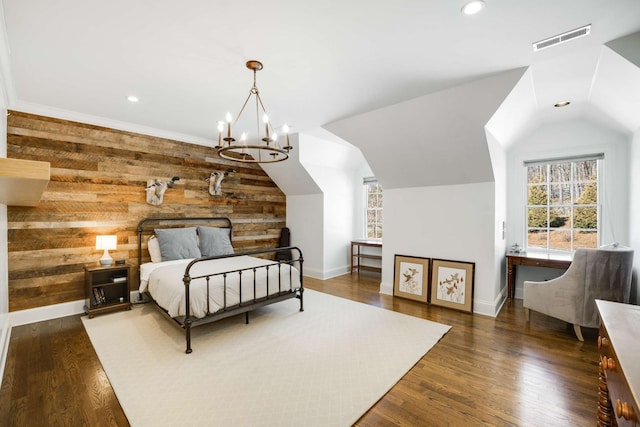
(106, 289)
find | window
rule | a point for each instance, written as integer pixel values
(373, 214)
(563, 203)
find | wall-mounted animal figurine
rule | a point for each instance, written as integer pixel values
(156, 188)
(215, 181)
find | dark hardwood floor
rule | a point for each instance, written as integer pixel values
(484, 371)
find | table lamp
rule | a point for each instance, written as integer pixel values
(106, 243)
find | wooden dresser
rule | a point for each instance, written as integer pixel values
(619, 373)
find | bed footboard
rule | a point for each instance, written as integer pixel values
(265, 284)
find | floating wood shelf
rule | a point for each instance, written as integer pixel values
(22, 182)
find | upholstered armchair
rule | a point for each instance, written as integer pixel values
(603, 273)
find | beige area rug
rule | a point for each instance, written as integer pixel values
(325, 366)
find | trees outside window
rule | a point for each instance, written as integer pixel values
(563, 204)
(373, 220)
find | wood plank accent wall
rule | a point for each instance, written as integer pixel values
(98, 180)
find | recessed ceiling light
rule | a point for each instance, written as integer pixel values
(132, 98)
(562, 104)
(473, 7)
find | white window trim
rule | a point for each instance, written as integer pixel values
(600, 209)
(365, 182)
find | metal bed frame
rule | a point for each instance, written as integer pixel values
(187, 322)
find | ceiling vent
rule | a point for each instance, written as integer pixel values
(561, 38)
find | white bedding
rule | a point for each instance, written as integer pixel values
(163, 280)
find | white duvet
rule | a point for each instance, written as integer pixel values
(163, 280)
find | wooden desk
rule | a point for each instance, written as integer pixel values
(532, 260)
(357, 255)
(619, 372)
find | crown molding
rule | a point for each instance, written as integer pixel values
(58, 113)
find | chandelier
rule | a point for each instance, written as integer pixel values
(263, 147)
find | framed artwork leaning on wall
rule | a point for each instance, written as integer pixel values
(452, 284)
(411, 277)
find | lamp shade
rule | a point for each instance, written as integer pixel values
(106, 242)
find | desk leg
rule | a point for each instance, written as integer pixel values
(351, 258)
(511, 280)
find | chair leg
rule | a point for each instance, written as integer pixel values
(526, 314)
(578, 331)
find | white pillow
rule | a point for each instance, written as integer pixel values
(154, 249)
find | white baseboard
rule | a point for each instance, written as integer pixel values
(324, 275)
(487, 308)
(5, 336)
(386, 288)
(316, 274)
(336, 272)
(39, 314)
(23, 317)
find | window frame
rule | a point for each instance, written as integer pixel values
(572, 205)
(378, 223)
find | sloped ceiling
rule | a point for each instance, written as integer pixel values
(616, 87)
(293, 180)
(439, 139)
(436, 139)
(628, 47)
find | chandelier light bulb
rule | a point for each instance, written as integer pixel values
(265, 119)
(285, 129)
(229, 125)
(243, 142)
(220, 130)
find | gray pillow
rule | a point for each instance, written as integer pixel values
(215, 241)
(178, 243)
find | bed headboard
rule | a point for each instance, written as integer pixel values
(147, 226)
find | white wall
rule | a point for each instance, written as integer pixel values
(5, 326)
(337, 213)
(338, 225)
(305, 216)
(325, 223)
(564, 139)
(454, 222)
(5, 96)
(634, 202)
(499, 163)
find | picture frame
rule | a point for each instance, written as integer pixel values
(452, 284)
(411, 277)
